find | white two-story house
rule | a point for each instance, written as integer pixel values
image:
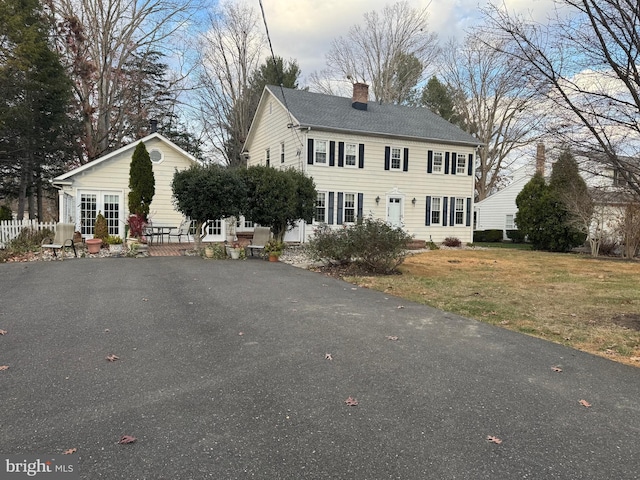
(405, 165)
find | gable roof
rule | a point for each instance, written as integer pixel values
(332, 113)
(130, 146)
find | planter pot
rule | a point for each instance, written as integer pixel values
(208, 252)
(93, 245)
(273, 258)
(115, 249)
(235, 253)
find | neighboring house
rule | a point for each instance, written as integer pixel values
(103, 186)
(404, 165)
(498, 211)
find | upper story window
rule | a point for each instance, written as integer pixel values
(321, 208)
(436, 210)
(437, 162)
(461, 164)
(350, 152)
(320, 152)
(618, 179)
(349, 214)
(396, 158)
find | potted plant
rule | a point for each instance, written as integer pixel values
(235, 250)
(115, 244)
(273, 248)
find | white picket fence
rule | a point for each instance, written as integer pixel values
(10, 229)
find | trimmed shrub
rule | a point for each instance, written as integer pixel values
(372, 243)
(493, 236)
(452, 242)
(101, 229)
(516, 236)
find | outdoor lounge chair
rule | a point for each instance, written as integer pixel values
(261, 235)
(63, 239)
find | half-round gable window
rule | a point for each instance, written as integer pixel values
(156, 155)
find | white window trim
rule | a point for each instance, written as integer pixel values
(156, 162)
(512, 225)
(461, 170)
(439, 210)
(391, 167)
(344, 208)
(326, 153)
(326, 207)
(433, 163)
(455, 212)
(355, 163)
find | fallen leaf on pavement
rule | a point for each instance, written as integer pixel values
(352, 402)
(400, 306)
(493, 439)
(556, 369)
(70, 451)
(3, 332)
(392, 337)
(240, 333)
(127, 439)
(145, 299)
(584, 403)
(112, 358)
(327, 356)
(4, 367)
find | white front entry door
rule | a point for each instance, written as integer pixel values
(394, 212)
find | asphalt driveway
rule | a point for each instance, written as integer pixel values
(223, 373)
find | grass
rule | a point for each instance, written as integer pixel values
(585, 303)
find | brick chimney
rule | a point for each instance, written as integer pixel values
(540, 158)
(360, 96)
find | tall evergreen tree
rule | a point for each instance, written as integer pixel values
(142, 182)
(35, 125)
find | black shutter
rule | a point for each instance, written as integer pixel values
(341, 154)
(452, 212)
(470, 166)
(430, 161)
(444, 211)
(427, 218)
(310, 151)
(387, 157)
(468, 211)
(332, 154)
(360, 202)
(454, 162)
(405, 165)
(340, 205)
(330, 212)
(446, 163)
(361, 155)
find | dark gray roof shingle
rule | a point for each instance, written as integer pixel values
(333, 113)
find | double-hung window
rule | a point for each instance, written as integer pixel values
(509, 222)
(321, 207)
(350, 150)
(349, 208)
(461, 164)
(436, 210)
(459, 211)
(282, 152)
(396, 158)
(437, 162)
(320, 152)
(268, 156)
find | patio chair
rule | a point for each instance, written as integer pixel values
(261, 235)
(62, 239)
(181, 231)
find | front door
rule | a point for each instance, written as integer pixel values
(394, 212)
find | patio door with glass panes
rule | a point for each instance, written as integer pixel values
(107, 203)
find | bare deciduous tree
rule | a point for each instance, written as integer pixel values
(586, 62)
(494, 105)
(389, 51)
(97, 39)
(230, 52)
